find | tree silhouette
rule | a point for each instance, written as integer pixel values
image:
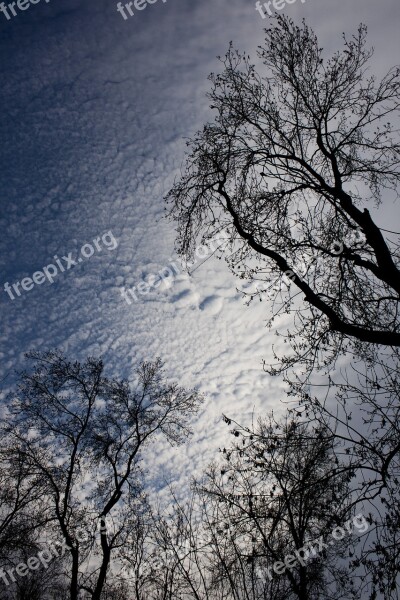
(280, 488)
(84, 435)
(300, 155)
(290, 167)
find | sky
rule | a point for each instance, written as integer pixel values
(96, 111)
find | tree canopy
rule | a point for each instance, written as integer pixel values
(296, 158)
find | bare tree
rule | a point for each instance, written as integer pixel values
(290, 167)
(366, 421)
(20, 493)
(294, 165)
(276, 499)
(273, 520)
(84, 435)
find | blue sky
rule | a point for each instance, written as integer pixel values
(95, 110)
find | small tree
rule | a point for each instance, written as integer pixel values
(280, 493)
(372, 451)
(84, 436)
(19, 494)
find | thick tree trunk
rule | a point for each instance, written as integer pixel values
(102, 575)
(74, 575)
